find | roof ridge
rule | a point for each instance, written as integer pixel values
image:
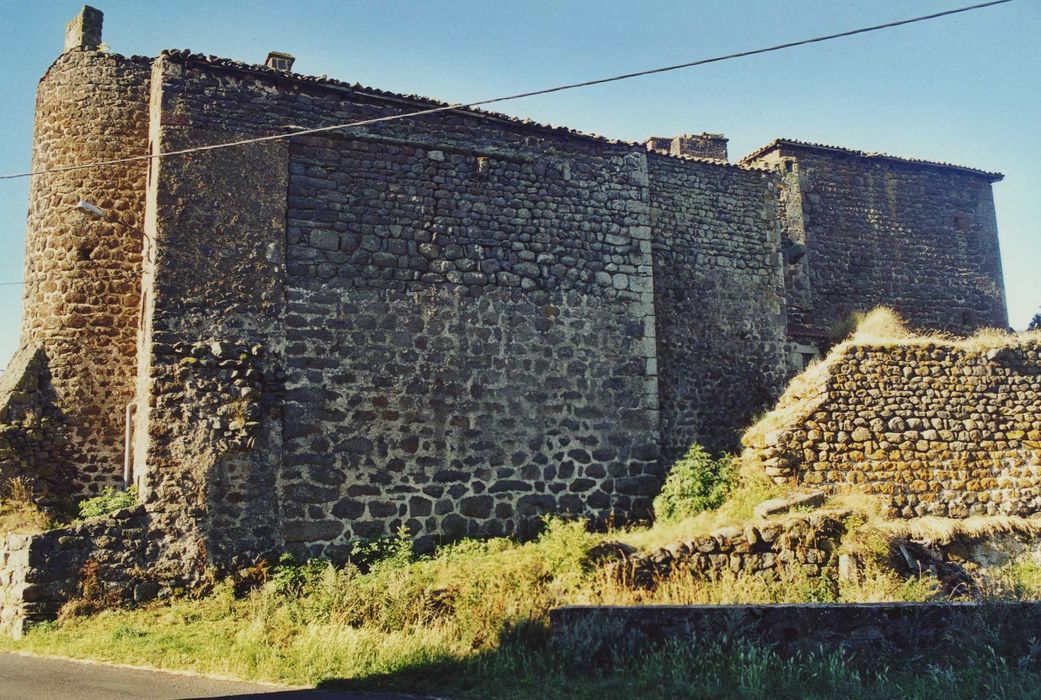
(324, 80)
(778, 142)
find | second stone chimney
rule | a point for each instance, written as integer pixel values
(701, 145)
(84, 31)
(280, 61)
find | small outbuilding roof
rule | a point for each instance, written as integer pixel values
(808, 145)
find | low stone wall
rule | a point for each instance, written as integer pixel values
(799, 544)
(104, 561)
(878, 630)
(949, 429)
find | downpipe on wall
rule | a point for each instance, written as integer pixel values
(131, 409)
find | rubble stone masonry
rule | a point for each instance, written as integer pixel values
(454, 322)
(936, 428)
(871, 230)
(82, 274)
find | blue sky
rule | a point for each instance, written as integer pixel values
(964, 89)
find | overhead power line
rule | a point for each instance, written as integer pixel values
(517, 96)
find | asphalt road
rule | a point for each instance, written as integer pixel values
(33, 678)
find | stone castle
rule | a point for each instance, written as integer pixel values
(453, 323)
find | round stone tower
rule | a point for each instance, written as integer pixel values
(83, 260)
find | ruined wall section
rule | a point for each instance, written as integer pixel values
(32, 436)
(935, 428)
(465, 339)
(106, 562)
(82, 274)
(921, 239)
(719, 299)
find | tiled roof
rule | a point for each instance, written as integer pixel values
(780, 143)
(420, 101)
(321, 80)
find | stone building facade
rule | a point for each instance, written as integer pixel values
(862, 230)
(454, 322)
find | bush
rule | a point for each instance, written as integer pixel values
(695, 483)
(106, 502)
(292, 579)
(396, 549)
(1035, 323)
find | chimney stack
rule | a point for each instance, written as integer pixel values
(697, 145)
(84, 31)
(280, 61)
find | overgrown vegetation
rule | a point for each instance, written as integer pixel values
(696, 482)
(19, 511)
(471, 621)
(106, 502)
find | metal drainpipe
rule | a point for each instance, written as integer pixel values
(127, 430)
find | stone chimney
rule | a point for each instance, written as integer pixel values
(280, 61)
(697, 145)
(84, 31)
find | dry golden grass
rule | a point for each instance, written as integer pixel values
(943, 530)
(884, 327)
(18, 509)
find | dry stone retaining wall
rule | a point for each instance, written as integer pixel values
(866, 631)
(796, 545)
(107, 560)
(936, 428)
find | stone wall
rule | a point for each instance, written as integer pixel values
(105, 561)
(719, 299)
(462, 325)
(920, 238)
(212, 339)
(33, 437)
(879, 632)
(82, 289)
(797, 545)
(937, 428)
(484, 332)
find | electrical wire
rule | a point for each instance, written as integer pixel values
(517, 96)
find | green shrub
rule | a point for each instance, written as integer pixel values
(395, 549)
(107, 501)
(695, 483)
(292, 579)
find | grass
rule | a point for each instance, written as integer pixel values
(751, 488)
(471, 621)
(19, 512)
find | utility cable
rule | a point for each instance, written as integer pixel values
(517, 96)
